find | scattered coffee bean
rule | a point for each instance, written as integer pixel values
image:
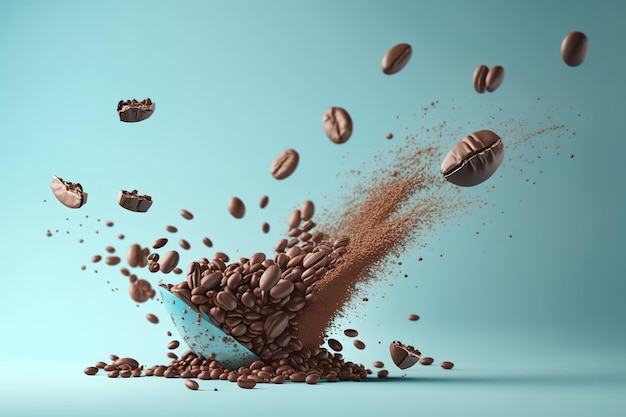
(447, 365)
(359, 344)
(474, 159)
(426, 361)
(414, 317)
(383, 373)
(186, 214)
(171, 229)
(207, 242)
(191, 384)
(494, 78)
(91, 370)
(337, 124)
(173, 344)
(351, 333)
(236, 207)
(378, 364)
(110, 249)
(266, 227)
(335, 345)
(152, 318)
(389, 136)
(285, 164)
(159, 243)
(133, 255)
(112, 260)
(480, 75)
(96, 258)
(312, 379)
(184, 244)
(169, 261)
(396, 58)
(264, 200)
(307, 211)
(574, 48)
(245, 382)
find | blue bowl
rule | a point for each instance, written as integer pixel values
(203, 337)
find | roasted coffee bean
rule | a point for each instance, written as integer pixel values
(169, 261)
(574, 48)
(113, 374)
(171, 229)
(96, 258)
(378, 364)
(283, 289)
(337, 124)
(494, 78)
(312, 379)
(479, 77)
(110, 249)
(91, 370)
(275, 324)
(152, 318)
(207, 242)
(383, 373)
(265, 227)
(244, 382)
(299, 376)
(403, 356)
(307, 210)
(263, 202)
(285, 164)
(335, 345)
(447, 365)
(414, 317)
(173, 344)
(184, 244)
(236, 207)
(141, 290)
(359, 344)
(191, 384)
(396, 58)
(270, 277)
(426, 361)
(186, 214)
(112, 260)
(474, 159)
(133, 255)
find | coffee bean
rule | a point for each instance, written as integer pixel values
(169, 261)
(414, 317)
(378, 364)
(337, 124)
(152, 318)
(244, 382)
(285, 164)
(574, 48)
(480, 74)
(186, 214)
(383, 373)
(299, 376)
(184, 244)
(351, 333)
(173, 344)
(207, 242)
(266, 227)
(236, 207)
(96, 258)
(396, 58)
(91, 370)
(159, 243)
(494, 78)
(403, 356)
(275, 324)
(294, 219)
(270, 277)
(426, 361)
(307, 210)
(110, 249)
(447, 365)
(474, 159)
(113, 374)
(132, 363)
(141, 290)
(312, 379)
(335, 345)
(359, 344)
(263, 202)
(112, 260)
(282, 289)
(389, 136)
(133, 255)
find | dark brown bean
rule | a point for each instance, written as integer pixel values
(184, 244)
(133, 255)
(191, 384)
(186, 214)
(574, 48)
(307, 210)
(335, 345)
(152, 318)
(359, 344)
(474, 159)
(285, 164)
(173, 344)
(207, 242)
(244, 382)
(447, 365)
(169, 261)
(337, 124)
(427, 360)
(494, 78)
(378, 364)
(236, 207)
(414, 317)
(112, 260)
(480, 74)
(396, 58)
(263, 202)
(312, 379)
(91, 370)
(383, 373)
(351, 333)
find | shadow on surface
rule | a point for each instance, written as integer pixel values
(615, 379)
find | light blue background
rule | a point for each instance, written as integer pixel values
(534, 323)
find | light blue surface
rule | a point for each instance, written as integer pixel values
(533, 322)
